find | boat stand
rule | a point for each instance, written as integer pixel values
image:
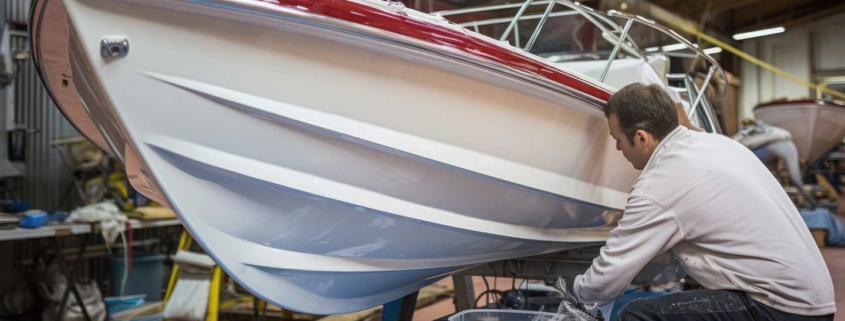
(401, 309)
(547, 267)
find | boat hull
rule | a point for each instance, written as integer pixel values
(331, 171)
(816, 126)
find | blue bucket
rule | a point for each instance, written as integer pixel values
(145, 277)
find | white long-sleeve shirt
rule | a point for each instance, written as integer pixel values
(714, 205)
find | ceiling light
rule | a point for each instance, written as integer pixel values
(758, 33)
(712, 51)
(678, 46)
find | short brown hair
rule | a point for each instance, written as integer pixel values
(643, 107)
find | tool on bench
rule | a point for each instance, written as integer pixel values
(38, 218)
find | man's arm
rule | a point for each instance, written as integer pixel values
(646, 230)
(683, 118)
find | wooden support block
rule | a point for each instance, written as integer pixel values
(819, 235)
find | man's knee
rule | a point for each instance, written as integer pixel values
(635, 310)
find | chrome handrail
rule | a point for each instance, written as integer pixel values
(503, 20)
(615, 50)
(705, 106)
(714, 65)
(679, 38)
(693, 94)
(590, 15)
(539, 27)
(576, 8)
(604, 17)
(612, 32)
(455, 12)
(516, 18)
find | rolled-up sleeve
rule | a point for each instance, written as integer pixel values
(646, 230)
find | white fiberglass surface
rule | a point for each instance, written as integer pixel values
(303, 164)
(390, 92)
(624, 72)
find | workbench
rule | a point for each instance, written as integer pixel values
(52, 232)
(59, 230)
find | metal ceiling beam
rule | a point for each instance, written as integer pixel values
(666, 17)
(784, 19)
(734, 5)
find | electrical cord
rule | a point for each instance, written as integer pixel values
(495, 282)
(125, 264)
(488, 292)
(486, 285)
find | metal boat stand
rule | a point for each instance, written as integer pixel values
(401, 309)
(547, 267)
(70, 275)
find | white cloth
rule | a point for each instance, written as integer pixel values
(112, 221)
(51, 286)
(713, 204)
(189, 300)
(622, 72)
(760, 134)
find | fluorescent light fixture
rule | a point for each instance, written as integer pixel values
(652, 49)
(712, 51)
(759, 33)
(677, 46)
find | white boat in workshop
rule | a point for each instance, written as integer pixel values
(816, 126)
(333, 156)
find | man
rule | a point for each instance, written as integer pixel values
(709, 201)
(772, 144)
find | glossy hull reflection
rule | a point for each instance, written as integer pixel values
(816, 126)
(332, 165)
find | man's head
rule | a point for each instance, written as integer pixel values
(639, 117)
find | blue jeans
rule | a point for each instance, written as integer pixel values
(706, 305)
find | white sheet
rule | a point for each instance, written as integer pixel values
(624, 72)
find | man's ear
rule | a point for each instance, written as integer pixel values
(641, 137)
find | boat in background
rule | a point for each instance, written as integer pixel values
(816, 126)
(332, 156)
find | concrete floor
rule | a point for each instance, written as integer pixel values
(835, 258)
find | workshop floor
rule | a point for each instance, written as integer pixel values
(835, 258)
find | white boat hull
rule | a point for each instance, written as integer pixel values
(816, 126)
(329, 172)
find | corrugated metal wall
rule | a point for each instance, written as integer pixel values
(801, 51)
(829, 49)
(46, 178)
(17, 11)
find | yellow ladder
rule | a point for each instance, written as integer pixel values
(214, 304)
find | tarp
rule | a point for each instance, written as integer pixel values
(820, 218)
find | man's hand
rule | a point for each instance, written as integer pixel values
(572, 305)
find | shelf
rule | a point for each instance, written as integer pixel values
(74, 229)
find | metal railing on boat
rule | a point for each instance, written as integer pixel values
(613, 33)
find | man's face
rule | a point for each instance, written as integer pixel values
(637, 153)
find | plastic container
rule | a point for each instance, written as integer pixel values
(117, 304)
(504, 315)
(144, 312)
(145, 277)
